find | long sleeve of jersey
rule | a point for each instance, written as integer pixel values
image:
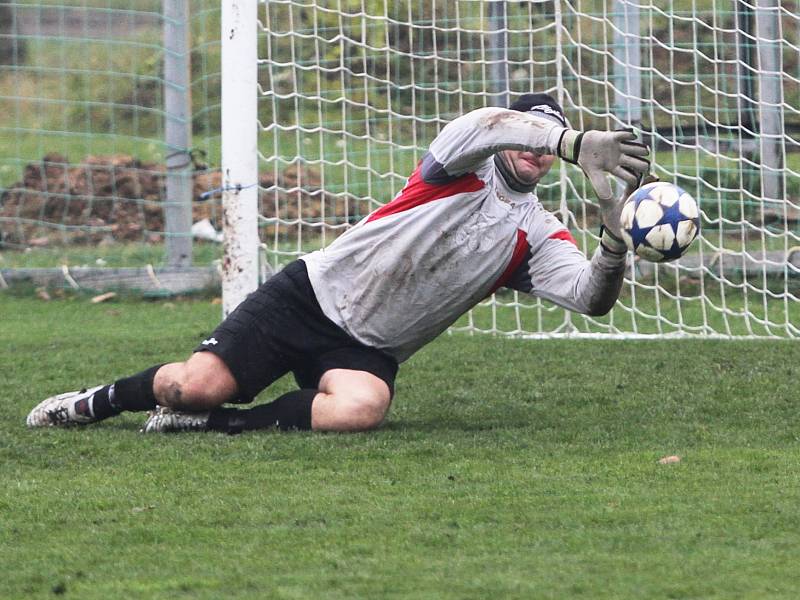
(592, 289)
(558, 271)
(564, 277)
(467, 142)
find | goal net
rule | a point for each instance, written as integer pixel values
(100, 180)
(350, 93)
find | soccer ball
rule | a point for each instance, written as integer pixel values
(659, 221)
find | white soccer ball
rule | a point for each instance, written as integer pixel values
(659, 221)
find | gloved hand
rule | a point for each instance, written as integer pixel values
(600, 153)
(610, 235)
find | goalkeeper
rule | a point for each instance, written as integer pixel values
(341, 319)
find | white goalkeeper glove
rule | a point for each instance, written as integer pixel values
(600, 153)
(610, 236)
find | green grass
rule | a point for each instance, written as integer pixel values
(126, 254)
(141, 5)
(506, 469)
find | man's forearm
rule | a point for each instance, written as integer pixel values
(600, 286)
(474, 137)
(570, 280)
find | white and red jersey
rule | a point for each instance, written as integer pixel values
(452, 236)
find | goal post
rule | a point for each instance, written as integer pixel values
(239, 151)
(350, 94)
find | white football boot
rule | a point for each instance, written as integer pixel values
(72, 408)
(167, 420)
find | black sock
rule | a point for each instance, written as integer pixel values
(290, 411)
(100, 407)
(131, 393)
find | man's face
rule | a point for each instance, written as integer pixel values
(528, 167)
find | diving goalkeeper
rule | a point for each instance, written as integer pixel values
(342, 319)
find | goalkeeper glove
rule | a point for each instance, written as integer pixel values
(611, 240)
(599, 153)
(649, 178)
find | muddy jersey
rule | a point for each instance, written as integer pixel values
(453, 235)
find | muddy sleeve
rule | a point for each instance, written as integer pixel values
(561, 273)
(466, 142)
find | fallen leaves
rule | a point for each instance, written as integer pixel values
(669, 460)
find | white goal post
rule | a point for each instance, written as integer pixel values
(239, 151)
(327, 107)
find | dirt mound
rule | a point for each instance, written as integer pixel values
(120, 198)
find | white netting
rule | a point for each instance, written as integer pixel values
(351, 93)
(86, 109)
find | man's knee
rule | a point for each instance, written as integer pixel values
(350, 401)
(365, 411)
(201, 383)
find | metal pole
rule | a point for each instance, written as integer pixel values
(178, 133)
(627, 62)
(745, 59)
(498, 51)
(239, 151)
(770, 100)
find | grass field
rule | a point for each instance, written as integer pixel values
(506, 469)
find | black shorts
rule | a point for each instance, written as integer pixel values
(280, 328)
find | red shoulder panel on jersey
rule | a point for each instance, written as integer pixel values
(520, 250)
(418, 192)
(565, 235)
